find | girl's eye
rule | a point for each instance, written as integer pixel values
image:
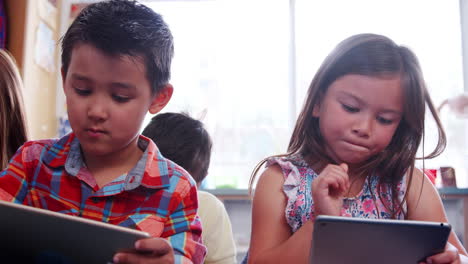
(82, 92)
(120, 99)
(384, 121)
(350, 109)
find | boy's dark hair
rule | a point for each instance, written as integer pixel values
(124, 27)
(183, 140)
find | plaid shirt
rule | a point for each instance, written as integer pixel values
(156, 196)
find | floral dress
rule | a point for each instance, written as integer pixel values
(300, 206)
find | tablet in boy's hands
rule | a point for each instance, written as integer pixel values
(338, 240)
(32, 235)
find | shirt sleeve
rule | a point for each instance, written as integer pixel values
(13, 182)
(217, 231)
(183, 227)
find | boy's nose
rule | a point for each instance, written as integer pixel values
(97, 111)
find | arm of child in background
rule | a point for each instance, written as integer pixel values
(217, 230)
(426, 205)
(181, 231)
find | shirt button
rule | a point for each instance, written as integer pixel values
(95, 199)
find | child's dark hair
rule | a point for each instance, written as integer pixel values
(124, 27)
(183, 140)
(377, 56)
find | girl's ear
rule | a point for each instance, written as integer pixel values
(317, 105)
(161, 99)
(316, 110)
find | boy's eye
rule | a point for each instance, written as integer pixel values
(120, 98)
(82, 91)
(384, 121)
(350, 109)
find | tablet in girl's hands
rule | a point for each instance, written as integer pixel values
(33, 235)
(338, 240)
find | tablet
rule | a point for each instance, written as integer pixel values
(33, 235)
(338, 240)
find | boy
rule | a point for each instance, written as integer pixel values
(185, 141)
(116, 59)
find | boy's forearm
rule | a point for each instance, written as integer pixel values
(183, 228)
(188, 247)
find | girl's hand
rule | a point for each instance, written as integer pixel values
(449, 256)
(148, 250)
(329, 188)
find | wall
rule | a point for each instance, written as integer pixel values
(23, 21)
(16, 14)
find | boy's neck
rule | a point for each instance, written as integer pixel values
(106, 168)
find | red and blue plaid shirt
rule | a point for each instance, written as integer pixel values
(157, 196)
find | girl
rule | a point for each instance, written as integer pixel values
(352, 153)
(12, 117)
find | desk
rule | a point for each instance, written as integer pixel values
(448, 193)
(230, 194)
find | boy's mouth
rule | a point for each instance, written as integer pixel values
(94, 132)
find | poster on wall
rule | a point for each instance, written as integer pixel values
(75, 9)
(48, 12)
(44, 50)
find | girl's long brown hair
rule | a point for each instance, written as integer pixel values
(378, 56)
(12, 117)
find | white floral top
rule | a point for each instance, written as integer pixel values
(300, 206)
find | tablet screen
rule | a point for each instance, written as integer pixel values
(338, 240)
(32, 235)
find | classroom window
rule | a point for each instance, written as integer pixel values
(231, 61)
(248, 64)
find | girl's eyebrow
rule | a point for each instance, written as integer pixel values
(359, 100)
(348, 94)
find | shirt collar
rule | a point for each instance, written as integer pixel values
(151, 171)
(57, 154)
(157, 172)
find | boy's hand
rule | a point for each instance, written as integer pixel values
(449, 256)
(329, 188)
(148, 250)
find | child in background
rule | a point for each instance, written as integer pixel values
(185, 141)
(12, 115)
(116, 58)
(352, 153)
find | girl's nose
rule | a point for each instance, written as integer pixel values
(363, 126)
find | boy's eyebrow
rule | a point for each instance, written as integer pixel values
(81, 77)
(391, 111)
(113, 84)
(123, 85)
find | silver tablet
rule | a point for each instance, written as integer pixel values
(32, 235)
(338, 240)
